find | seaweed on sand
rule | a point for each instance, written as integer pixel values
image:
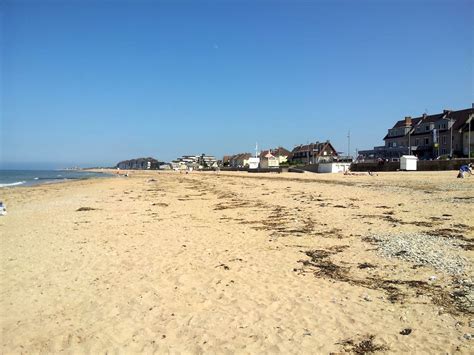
(363, 346)
(82, 209)
(322, 266)
(456, 302)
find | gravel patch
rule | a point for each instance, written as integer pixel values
(438, 252)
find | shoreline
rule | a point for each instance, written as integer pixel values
(50, 180)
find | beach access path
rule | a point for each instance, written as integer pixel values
(238, 263)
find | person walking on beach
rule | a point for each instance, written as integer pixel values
(3, 209)
(465, 169)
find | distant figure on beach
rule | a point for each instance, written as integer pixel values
(349, 172)
(3, 209)
(465, 169)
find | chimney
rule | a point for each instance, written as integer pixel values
(407, 120)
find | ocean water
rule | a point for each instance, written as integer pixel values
(11, 178)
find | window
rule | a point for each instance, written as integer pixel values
(427, 128)
(443, 140)
(427, 141)
(394, 144)
(417, 141)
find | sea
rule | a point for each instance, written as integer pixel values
(11, 178)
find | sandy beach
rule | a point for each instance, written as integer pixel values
(239, 263)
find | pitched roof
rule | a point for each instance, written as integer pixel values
(401, 123)
(277, 152)
(241, 156)
(266, 154)
(432, 118)
(280, 151)
(312, 147)
(461, 117)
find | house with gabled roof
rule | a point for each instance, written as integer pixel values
(268, 160)
(240, 160)
(463, 137)
(313, 153)
(427, 136)
(435, 135)
(281, 154)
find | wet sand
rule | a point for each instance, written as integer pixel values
(233, 263)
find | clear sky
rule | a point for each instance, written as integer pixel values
(94, 82)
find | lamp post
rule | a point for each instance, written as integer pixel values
(348, 144)
(409, 142)
(469, 137)
(451, 138)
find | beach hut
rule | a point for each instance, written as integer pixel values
(254, 162)
(333, 167)
(408, 162)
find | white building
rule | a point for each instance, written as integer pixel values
(254, 162)
(335, 167)
(195, 162)
(268, 160)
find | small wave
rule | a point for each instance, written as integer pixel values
(36, 178)
(13, 184)
(58, 178)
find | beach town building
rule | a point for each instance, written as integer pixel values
(240, 160)
(178, 165)
(313, 153)
(268, 160)
(139, 164)
(165, 166)
(280, 153)
(207, 161)
(226, 160)
(185, 162)
(202, 161)
(427, 137)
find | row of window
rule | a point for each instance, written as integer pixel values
(425, 141)
(305, 154)
(418, 141)
(427, 127)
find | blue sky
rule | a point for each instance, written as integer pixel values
(94, 82)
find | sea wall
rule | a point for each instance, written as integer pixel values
(259, 170)
(422, 165)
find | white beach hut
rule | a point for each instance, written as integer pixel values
(408, 162)
(254, 162)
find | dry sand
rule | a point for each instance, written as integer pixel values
(233, 263)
